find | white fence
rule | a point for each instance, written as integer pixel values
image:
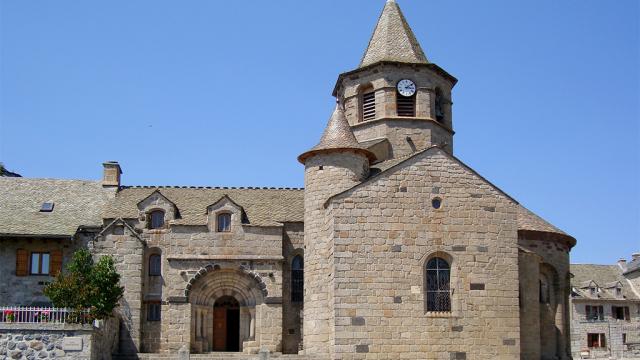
(31, 315)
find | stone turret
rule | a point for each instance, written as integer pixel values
(336, 164)
(375, 106)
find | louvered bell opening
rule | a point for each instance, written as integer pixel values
(368, 106)
(406, 106)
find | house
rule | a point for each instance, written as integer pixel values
(605, 310)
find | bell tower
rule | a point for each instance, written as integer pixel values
(396, 101)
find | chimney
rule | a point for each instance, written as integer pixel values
(111, 174)
(622, 263)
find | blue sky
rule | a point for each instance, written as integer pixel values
(229, 93)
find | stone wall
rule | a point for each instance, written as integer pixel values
(28, 290)
(553, 316)
(384, 232)
(59, 341)
(127, 250)
(325, 175)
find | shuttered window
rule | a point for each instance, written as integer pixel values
(56, 262)
(406, 106)
(368, 106)
(22, 262)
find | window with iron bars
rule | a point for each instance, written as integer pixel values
(438, 285)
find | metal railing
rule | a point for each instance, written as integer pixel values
(32, 315)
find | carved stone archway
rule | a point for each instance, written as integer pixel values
(213, 282)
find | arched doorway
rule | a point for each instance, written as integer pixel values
(225, 309)
(226, 324)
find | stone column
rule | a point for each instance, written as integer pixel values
(252, 324)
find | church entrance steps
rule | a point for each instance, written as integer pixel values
(211, 356)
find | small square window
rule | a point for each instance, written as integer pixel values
(156, 219)
(224, 222)
(153, 311)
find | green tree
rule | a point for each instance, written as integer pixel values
(87, 285)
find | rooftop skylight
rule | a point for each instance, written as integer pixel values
(47, 206)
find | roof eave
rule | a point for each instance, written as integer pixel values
(431, 66)
(551, 236)
(304, 156)
(54, 236)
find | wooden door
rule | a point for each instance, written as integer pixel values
(219, 329)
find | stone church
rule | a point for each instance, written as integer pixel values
(394, 249)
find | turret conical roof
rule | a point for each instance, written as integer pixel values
(337, 136)
(393, 40)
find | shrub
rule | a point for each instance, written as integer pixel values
(85, 285)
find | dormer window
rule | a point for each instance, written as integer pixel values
(618, 292)
(156, 219)
(224, 222)
(593, 291)
(368, 100)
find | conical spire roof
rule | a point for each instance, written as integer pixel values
(393, 40)
(337, 136)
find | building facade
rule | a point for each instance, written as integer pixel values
(394, 248)
(605, 310)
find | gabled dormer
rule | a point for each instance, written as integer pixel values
(156, 211)
(590, 288)
(615, 289)
(225, 216)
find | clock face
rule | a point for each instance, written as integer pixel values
(406, 87)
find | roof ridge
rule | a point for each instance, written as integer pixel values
(209, 187)
(22, 178)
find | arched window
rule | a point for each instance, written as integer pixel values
(438, 285)
(368, 101)
(156, 219)
(297, 279)
(224, 222)
(155, 267)
(439, 106)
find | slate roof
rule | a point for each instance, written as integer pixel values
(337, 136)
(393, 40)
(604, 276)
(76, 203)
(262, 206)
(527, 220)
